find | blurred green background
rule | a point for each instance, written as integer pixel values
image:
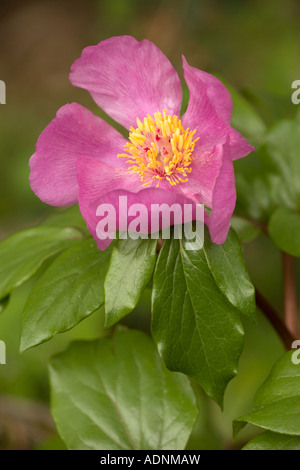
(254, 45)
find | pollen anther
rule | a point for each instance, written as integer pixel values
(160, 148)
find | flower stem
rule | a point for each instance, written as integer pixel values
(270, 313)
(290, 295)
(159, 245)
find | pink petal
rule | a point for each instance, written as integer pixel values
(224, 197)
(73, 133)
(217, 93)
(202, 115)
(201, 180)
(100, 184)
(128, 79)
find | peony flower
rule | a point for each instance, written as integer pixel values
(166, 159)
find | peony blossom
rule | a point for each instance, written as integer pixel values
(168, 159)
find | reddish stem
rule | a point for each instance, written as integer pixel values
(290, 295)
(270, 313)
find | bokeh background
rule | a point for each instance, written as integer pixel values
(253, 45)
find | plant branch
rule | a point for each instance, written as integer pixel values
(159, 245)
(270, 313)
(290, 295)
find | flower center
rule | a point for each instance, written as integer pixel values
(160, 149)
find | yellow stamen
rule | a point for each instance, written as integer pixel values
(160, 148)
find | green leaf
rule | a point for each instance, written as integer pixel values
(227, 265)
(131, 267)
(70, 217)
(270, 177)
(254, 200)
(271, 441)
(116, 394)
(4, 303)
(244, 117)
(197, 330)
(282, 382)
(245, 229)
(282, 164)
(282, 416)
(284, 230)
(277, 402)
(70, 290)
(23, 253)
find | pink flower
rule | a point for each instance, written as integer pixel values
(80, 158)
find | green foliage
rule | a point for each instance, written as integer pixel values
(4, 303)
(246, 230)
(277, 402)
(282, 163)
(271, 441)
(117, 394)
(284, 230)
(227, 266)
(131, 267)
(69, 290)
(283, 381)
(196, 327)
(270, 178)
(70, 217)
(23, 253)
(244, 117)
(282, 416)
